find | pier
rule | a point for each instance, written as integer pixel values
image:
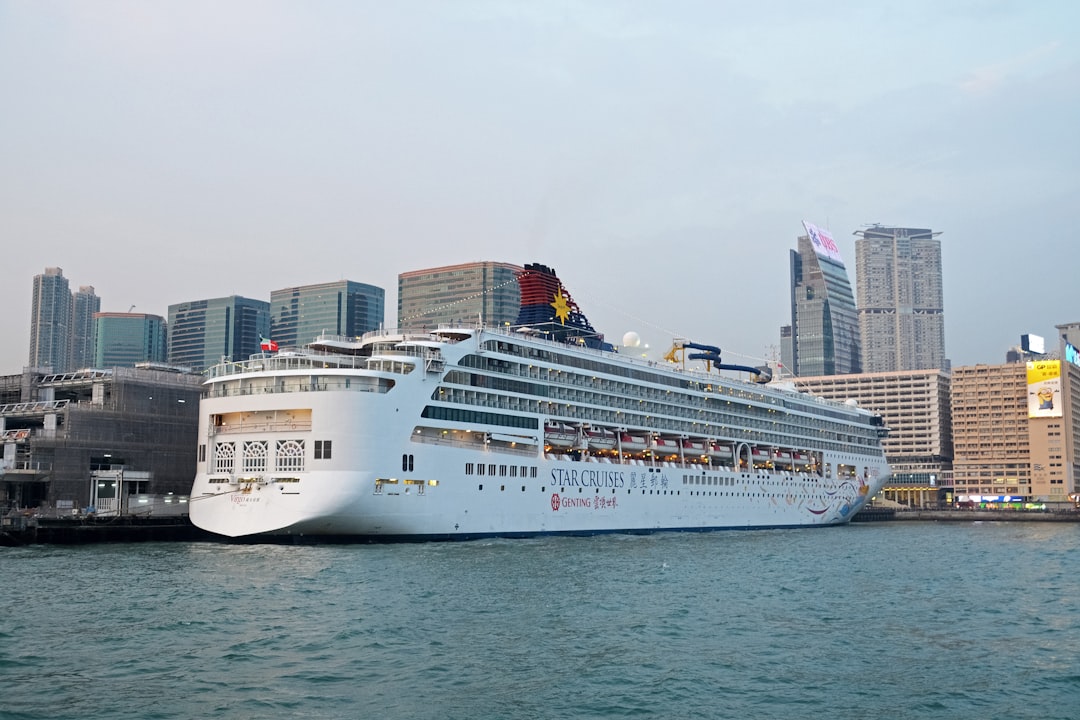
(17, 529)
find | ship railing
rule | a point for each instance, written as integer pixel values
(308, 360)
(328, 382)
(477, 444)
(258, 427)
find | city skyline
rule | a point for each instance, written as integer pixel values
(661, 158)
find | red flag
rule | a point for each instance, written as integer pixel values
(267, 344)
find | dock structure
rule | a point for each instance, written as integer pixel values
(96, 438)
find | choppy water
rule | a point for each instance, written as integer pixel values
(889, 620)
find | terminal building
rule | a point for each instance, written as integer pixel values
(119, 440)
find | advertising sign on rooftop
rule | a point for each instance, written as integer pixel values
(823, 243)
(1044, 388)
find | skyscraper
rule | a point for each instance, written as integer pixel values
(901, 305)
(202, 332)
(298, 315)
(50, 321)
(459, 293)
(124, 339)
(824, 331)
(83, 342)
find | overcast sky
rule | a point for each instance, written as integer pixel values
(659, 155)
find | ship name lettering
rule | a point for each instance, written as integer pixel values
(588, 478)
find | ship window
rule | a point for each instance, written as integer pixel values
(502, 470)
(533, 473)
(406, 463)
(322, 449)
(513, 471)
(202, 452)
(480, 469)
(481, 485)
(468, 468)
(491, 469)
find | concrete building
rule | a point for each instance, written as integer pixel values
(1016, 432)
(126, 339)
(203, 332)
(51, 321)
(298, 315)
(916, 408)
(901, 304)
(824, 330)
(459, 293)
(97, 438)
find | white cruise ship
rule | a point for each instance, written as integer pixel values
(462, 433)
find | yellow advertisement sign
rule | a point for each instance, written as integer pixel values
(1044, 388)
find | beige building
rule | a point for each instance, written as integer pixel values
(1015, 430)
(915, 407)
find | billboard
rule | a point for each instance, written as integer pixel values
(1044, 388)
(1033, 344)
(823, 243)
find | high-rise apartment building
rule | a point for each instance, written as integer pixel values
(824, 330)
(459, 293)
(124, 339)
(915, 406)
(51, 321)
(900, 299)
(298, 315)
(203, 332)
(83, 342)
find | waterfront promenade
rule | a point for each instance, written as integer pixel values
(883, 514)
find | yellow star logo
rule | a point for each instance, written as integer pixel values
(562, 310)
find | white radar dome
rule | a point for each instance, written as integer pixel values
(851, 402)
(631, 339)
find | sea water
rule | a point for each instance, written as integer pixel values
(876, 620)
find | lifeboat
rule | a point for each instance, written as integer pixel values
(693, 447)
(632, 443)
(800, 459)
(761, 455)
(560, 435)
(663, 446)
(600, 439)
(720, 451)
